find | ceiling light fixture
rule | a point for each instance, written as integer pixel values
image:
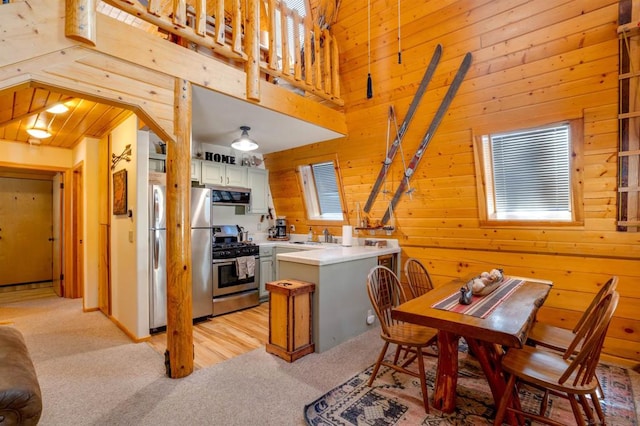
(58, 109)
(39, 132)
(244, 142)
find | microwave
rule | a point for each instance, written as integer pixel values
(230, 196)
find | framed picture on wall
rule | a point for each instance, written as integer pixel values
(120, 192)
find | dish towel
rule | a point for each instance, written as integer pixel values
(241, 267)
(251, 266)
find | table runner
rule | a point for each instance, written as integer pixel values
(480, 306)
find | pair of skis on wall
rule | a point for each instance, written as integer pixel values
(442, 109)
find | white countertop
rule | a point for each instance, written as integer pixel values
(329, 254)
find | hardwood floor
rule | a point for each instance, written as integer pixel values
(215, 340)
(220, 338)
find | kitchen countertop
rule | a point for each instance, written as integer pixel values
(327, 254)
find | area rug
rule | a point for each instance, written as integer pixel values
(395, 399)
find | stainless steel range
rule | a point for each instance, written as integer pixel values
(236, 271)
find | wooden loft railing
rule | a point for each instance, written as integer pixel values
(310, 65)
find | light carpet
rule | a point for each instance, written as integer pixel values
(91, 374)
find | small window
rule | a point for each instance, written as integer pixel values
(531, 175)
(321, 191)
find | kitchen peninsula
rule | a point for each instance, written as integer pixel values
(340, 302)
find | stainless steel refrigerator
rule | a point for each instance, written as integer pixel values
(202, 279)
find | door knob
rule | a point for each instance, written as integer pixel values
(50, 238)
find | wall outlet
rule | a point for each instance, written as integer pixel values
(292, 228)
(370, 317)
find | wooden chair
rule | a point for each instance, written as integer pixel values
(418, 277)
(571, 375)
(559, 339)
(385, 293)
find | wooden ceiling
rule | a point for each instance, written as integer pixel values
(26, 107)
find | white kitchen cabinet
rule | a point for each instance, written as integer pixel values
(258, 181)
(266, 271)
(196, 170)
(224, 174)
(236, 176)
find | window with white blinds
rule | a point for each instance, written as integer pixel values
(321, 192)
(299, 5)
(527, 174)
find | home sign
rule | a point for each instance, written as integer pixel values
(220, 158)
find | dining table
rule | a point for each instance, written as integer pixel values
(489, 324)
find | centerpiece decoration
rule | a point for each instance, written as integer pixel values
(486, 282)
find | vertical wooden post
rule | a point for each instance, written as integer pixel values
(179, 295)
(297, 70)
(200, 26)
(273, 51)
(284, 42)
(236, 27)
(316, 54)
(308, 66)
(252, 47)
(80, 20)
(326, 69)
(335, 68)
(220, 27)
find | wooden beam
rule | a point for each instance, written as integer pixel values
(80, 20)
(179, 274)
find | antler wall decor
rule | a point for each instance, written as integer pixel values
(126, 155)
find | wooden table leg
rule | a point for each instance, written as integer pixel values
(489, 355)
(444, 396)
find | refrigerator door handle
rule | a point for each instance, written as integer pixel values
(207, 207)
(155, 208)
(156, 249)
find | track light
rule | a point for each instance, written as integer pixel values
(244, 142)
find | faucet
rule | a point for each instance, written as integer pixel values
(327, 235)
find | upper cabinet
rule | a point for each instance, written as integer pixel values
(224, 174)
(258, 181)
(196, 170)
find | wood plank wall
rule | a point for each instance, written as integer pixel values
(533, 63)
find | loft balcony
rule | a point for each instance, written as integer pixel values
(131, 54)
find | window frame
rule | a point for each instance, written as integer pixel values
(336, 166)
(576, 165)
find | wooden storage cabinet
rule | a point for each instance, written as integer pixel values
(290, 319)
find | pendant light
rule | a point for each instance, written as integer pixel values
(244, 142)
(39, 132)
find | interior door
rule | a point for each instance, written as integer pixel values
(78, 236)
(25, 231)
(56, 214)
